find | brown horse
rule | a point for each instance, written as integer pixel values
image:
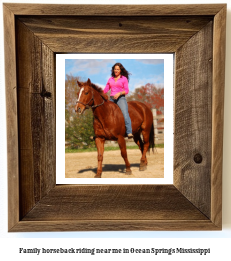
(109, 123)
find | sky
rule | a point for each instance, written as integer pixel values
(142, 71)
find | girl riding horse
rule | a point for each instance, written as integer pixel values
(118, 84)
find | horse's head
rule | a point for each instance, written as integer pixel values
(85, 96)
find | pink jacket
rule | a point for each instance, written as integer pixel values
(119, 86)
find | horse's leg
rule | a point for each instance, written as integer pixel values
(122, 144)
(139, 142)
(100, 148)
(144, 161)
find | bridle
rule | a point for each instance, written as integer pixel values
(92, 98)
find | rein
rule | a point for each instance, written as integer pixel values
(87, 104)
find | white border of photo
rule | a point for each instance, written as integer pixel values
(168, 120)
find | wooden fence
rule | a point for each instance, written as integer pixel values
(158, 121)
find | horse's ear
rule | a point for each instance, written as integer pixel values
(79, 83)
(89, 82)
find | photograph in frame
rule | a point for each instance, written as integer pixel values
(149, 77)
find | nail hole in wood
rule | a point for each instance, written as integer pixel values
(198, 158)
(46, 94)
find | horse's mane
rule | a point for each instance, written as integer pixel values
(100, 91)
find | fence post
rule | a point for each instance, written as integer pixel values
(155, 122)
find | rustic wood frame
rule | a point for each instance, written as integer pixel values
(33, 34)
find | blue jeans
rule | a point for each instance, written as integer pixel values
(122, 103)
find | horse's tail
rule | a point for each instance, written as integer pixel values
(151, 139)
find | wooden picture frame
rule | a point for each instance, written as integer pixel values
(33, 34)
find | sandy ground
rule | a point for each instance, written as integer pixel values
(84, 165)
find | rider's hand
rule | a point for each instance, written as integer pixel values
(117, 96)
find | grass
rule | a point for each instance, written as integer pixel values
(69, 150)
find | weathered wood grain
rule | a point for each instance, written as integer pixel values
(109, 44)
(90, 208)
(114, 25)
(48, 144)
(193, 113)
(11, 117)
(114, 202)
(115, 34)
(218, 115)
(114, 10)
(114, 225)
(35, 68)
(27, 186)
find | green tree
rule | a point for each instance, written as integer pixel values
(78, 128)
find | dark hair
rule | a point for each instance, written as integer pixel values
(124, 72)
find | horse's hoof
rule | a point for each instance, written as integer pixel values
(128, 172)
(97, 176)
(143, 167)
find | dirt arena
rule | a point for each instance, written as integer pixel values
(84, 165)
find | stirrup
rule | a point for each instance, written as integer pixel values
(92, 138)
